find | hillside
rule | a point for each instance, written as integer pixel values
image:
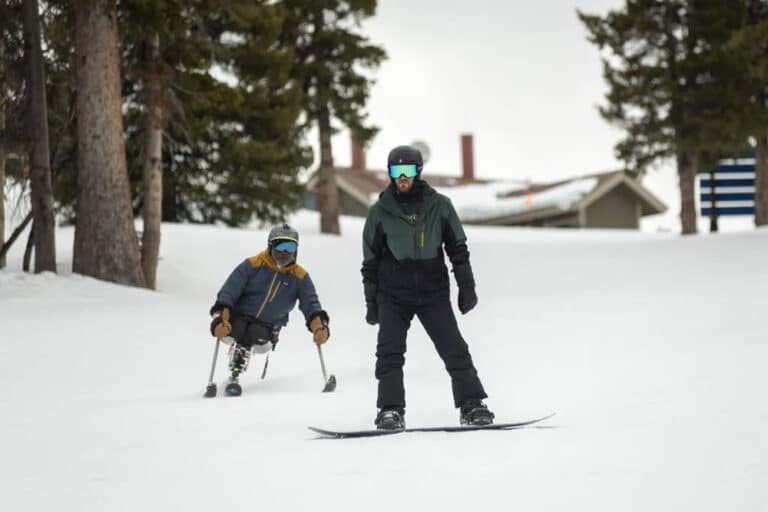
(652, 350)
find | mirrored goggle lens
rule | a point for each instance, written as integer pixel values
(286, 246)
(407, 170)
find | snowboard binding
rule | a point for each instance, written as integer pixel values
(476, 413)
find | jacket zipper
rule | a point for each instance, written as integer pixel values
(417, 253)
(277, 289)
(269, 291)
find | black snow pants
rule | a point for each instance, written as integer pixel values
(440, 323)
(248, 331)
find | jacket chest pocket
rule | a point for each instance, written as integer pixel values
(404, 239)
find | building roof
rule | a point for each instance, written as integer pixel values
(509, 202)
(494, 201)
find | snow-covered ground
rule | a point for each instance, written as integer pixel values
(651, 348)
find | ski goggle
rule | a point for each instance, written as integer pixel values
(407, 170)
(288, 246)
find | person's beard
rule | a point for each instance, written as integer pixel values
(401, 185)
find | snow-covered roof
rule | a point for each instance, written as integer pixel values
(477, 202)
(481, 201)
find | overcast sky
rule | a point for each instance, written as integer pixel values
(519, 75)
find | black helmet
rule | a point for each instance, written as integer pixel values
(278, 235)
(405, 155)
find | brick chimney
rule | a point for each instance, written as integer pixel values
(358, 154)
(467, 157)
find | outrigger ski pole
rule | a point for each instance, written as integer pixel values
(330, 382)
(264, 371)
(210, 390)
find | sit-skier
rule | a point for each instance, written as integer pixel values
(253, 304)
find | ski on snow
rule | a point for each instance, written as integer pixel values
(457, 428)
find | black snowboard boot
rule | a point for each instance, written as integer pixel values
(475, 412)
(390, 419)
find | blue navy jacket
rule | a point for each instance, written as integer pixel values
(259, 289)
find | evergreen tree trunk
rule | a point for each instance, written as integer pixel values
(37, 129)
(106, 246)
(761, 181)
(16, 234)
(170, 196)
(152, 206)
(2, 160)
(327, 194)
(687, 164)
(714, 226)
(155, 80)
(28, 249)
(2, 187)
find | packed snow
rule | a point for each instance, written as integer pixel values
(650, 348)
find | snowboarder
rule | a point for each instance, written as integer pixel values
(253, 304)
(404, 274)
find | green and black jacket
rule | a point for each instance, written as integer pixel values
(403, 254)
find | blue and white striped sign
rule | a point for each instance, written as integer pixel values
(732, 191)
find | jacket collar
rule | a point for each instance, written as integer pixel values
(389, 203)
(266, 258)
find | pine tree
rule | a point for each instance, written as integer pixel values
(234, 150)
(719, 83)
(261, 145)
(2, 150)
(156, 81)
(152, 77)
(56, 31)
(58, 19)
(329, 54)
(748, 108)
(43, 226)
(12, 135)
(106, 246)
(661, 63)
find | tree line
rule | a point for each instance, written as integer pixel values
(172, 110)
(687, 80)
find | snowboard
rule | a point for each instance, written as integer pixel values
(454, 428)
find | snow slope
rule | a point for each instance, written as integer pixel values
(651, 348)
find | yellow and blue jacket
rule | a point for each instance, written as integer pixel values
(259, 289)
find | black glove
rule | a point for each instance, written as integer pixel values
(467, 299)
(466, 281)
(372, 313)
